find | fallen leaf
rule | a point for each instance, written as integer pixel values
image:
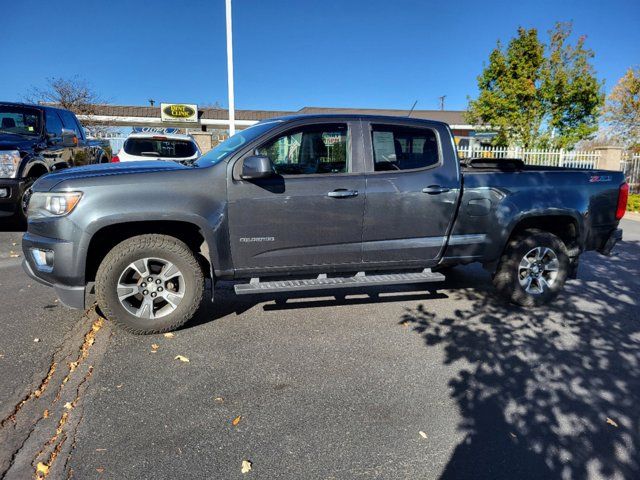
(14, 255)
(246, 466)
(101, 449)
(422, 434)
(119, 386)
(36, 340)
(236, 420)
(169, 335)
(45, 414)
(13, 244)
(99, 470)
(181, 358)
(68, 406)
(154, 347)
(219, 400)
(611, 422)
(42, 468)
(513, 435)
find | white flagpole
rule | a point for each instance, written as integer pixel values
(232, 108)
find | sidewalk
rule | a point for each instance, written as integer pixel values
(635, 216)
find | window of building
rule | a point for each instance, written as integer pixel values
(404, 148)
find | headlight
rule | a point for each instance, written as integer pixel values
(9, 161)
(54, 204)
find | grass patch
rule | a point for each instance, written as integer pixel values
(633, 205)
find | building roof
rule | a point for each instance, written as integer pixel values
(452, 117)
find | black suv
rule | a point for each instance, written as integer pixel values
(34, 140)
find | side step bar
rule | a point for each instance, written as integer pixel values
(323, 282)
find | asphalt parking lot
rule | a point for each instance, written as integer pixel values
(385, 383)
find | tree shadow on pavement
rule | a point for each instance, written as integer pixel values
(552, 392)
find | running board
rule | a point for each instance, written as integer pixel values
(323, 282)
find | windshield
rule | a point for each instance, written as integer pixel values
(19, 121)
(159, 147)
(230, 145)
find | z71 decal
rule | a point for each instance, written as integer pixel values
(599, 178)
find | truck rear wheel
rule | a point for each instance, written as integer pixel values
(150, 284)
(533, 268)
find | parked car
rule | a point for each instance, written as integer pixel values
(147, 146)
(34, 140)
(308, 203)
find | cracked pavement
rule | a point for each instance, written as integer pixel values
(328, 388)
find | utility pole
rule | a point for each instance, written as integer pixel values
(232, 108)
(442, 101)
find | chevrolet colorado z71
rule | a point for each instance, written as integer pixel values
(35, 140)
(307, 203)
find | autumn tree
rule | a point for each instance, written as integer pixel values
(73, 94)
(534, 94)
(622, 110)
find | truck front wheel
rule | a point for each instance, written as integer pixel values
(533, 268)
(150, 284)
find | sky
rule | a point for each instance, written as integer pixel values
(290, 54)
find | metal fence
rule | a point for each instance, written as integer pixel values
(630, 165)
(548, 158)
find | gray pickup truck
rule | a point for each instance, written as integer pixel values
(309, 203)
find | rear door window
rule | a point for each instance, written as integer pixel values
(397, 147)
(157, 147)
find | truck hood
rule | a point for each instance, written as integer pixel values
(48, 182)
(17, 142)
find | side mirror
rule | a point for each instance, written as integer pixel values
(69, 138)
(256, 166)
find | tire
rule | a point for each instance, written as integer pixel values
(21, 213)
(533, 269)
(176, 298)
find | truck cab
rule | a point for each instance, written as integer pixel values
(36, 140)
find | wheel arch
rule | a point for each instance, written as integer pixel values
(564, 225)
(108, 236)
(35, 170)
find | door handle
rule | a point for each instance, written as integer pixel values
(435, 189)
(342, 193)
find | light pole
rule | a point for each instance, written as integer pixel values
(232, 108)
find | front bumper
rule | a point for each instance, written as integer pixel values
(614, 237)
(72, 297)
(65, 277)
(9, 204)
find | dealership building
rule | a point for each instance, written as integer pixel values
(210, 125)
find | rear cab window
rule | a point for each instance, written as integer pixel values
(399, 147)
(160, 147)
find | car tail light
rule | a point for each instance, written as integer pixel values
(623, 196)
(115, 159)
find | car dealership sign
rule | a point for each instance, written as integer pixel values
(178, 112)
(158, 130)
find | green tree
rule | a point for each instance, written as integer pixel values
(622, 110)
(537, 95)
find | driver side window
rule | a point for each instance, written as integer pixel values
(54, 124)
(314, 149)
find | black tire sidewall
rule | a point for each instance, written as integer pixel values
(130, 251)
(506, 278)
